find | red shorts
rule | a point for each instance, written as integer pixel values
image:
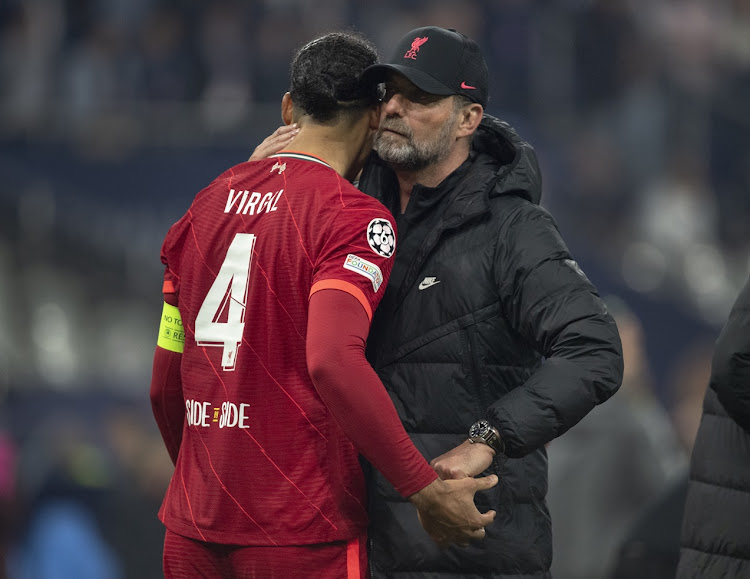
(187, 559)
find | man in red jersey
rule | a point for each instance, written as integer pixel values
(260, 386)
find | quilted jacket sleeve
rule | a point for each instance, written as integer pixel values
(730, 373)
(551, 303)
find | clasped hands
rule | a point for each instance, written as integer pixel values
(446, 506)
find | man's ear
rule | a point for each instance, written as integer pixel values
(287, 109)
(470, 117)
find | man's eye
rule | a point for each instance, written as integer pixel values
(387, 93)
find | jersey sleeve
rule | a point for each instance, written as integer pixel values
(357, 254)
(170, 257)
(336, 337)
(167, 402)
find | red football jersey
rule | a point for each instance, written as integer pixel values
(262, 461)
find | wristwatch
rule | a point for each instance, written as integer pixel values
(482, 431)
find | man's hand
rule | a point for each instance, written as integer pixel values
(275, 142)
(447, 511)
(467, 459)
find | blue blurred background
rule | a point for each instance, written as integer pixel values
(115, 113)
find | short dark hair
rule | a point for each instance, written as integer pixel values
(460, 101)
(325, 75)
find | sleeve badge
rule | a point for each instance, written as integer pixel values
(381, 237)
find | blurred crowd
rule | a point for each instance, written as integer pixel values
(114, 113)
(636, 106)
(83, 476)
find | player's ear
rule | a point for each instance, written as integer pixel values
(287, 109)
(375, 117)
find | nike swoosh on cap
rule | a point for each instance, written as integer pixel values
(464, 85)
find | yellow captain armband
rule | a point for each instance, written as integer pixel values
(171, 333)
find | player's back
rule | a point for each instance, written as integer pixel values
(262, 461)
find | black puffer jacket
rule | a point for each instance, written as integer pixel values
(715, 538)
(482, 290)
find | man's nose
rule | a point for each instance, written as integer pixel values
(395, 105)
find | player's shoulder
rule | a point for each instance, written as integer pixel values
(339, 193)
(353, 196)
(360, 201)
(225, 177)
(242, 171)
(176, 233)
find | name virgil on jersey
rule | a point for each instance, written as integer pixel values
(252, 203)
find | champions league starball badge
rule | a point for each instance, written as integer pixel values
(381, 237)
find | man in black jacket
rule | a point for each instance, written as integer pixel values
(715, 537)
(490, 339)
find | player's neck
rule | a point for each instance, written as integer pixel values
(332, 146)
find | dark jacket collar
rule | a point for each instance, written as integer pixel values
(425, 199)
(517, 167)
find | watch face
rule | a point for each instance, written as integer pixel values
(479, 429)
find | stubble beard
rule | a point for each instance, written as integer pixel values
(403, 152)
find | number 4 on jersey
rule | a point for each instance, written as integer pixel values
(229, 290)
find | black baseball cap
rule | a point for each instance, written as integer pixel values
(439, 61)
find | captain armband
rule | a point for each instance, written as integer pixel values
(171, 332)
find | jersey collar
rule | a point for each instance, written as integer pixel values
(301, 156)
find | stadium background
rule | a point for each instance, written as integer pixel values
(114, 113)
